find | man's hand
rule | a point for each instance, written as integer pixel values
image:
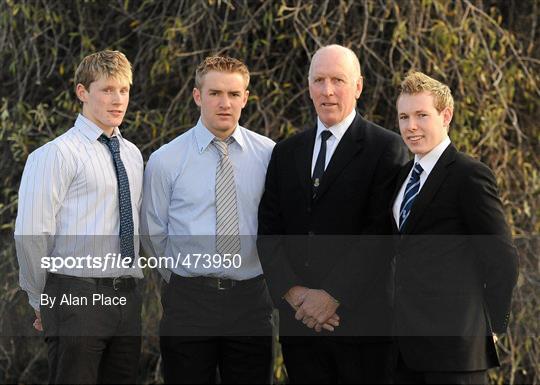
(318, 307)
(295, 297)
(37, 323)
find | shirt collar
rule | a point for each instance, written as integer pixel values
(338, 129)
(204, 137)
(429, 160)
(90, 129)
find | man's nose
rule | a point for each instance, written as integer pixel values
(117, 97)
(328, 88)
(411, 124)
(225, 102)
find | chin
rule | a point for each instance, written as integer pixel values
(225, 128)
(328, 122)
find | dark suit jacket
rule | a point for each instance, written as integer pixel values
(454, 268)
(316, 247)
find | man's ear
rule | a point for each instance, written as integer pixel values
(448, 113)
(197, 96)
(81, 92)
(359, 87)
(246, 96)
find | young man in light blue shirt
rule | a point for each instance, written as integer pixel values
(201, 196)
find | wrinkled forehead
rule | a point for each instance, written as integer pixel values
(333, 63)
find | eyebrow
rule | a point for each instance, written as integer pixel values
(417, 111)
(229, 91)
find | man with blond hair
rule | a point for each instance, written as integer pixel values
(326, 189)
(201, 193)
(454, 264)
(79, 202)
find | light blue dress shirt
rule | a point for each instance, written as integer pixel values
(179, 205)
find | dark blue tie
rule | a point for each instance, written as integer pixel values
(126, 214)
(318, 171)
(411, 191)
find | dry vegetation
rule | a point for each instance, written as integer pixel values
(486, 50)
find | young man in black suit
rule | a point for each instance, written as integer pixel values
(324, 188)
(454, 265)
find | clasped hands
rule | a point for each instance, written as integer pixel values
(315, 308)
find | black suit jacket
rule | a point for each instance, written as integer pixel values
(454, 268)
(311, 242)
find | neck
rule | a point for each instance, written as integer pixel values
(108, 131)
(220, 134)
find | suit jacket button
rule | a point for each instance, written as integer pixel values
(311, 233)
(306, 264)
(309, 210)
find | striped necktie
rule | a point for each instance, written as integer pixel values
(411, 191)
(227, 228)
(318, 171)
(127, 249)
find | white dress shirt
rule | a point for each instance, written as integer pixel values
(427, 162)
(337, 130)
(179, 205)
(69, 206)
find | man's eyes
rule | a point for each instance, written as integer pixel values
(215, 93)
(109, 90)
(335, 80)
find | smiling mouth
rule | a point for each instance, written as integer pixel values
(415, 138)
(329, 104)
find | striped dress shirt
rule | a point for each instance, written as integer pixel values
(69, 208)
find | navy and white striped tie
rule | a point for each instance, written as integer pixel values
(411, 191)
(227, 228)
(127, 248)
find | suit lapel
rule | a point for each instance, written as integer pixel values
(303, 157)
(350, 144)
(399, 182)
(429, 189)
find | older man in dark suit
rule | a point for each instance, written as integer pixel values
(454, 265)
(325, 187)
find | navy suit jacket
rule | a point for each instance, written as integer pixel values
(454, 268)
(315, 242)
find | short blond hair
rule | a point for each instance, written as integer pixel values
(416, 82)
(220, 64)
(104, 63)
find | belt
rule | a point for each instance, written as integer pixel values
(124, 283)
(219, 283)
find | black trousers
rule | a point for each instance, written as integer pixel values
(338, 360)
(205, 330)
(405, 375)
(91, 343)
